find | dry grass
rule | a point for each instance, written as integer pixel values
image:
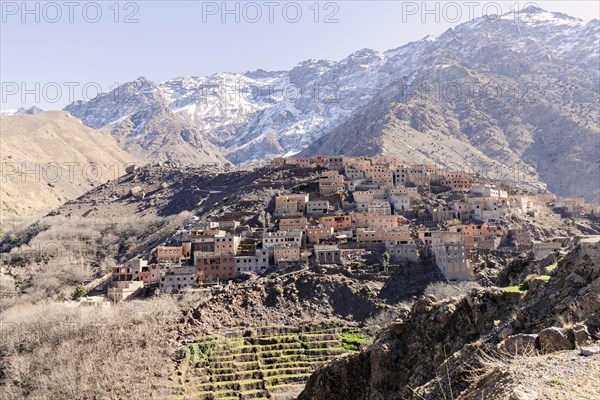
(442, 290)
(67, 251)
(53, 352)
(385, 317)
(566, 322)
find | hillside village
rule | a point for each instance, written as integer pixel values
(365, 210)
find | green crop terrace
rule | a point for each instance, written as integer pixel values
(259, 367)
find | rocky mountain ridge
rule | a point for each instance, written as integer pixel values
(501, 94)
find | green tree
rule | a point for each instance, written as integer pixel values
(341, 197)
(385, 262)
(79, 292)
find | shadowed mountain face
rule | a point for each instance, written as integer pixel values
(514, 97)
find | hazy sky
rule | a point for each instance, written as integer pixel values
(51, 51)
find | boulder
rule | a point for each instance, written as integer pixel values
(432, 298)
(589, 351)
(522, 319)
(518, 344)
(521, 393)
(554, 339)
(445, 313)
(422, 306)
(581, 334)
(136, 191)
(505, 333)
(403, 311)
(130, 169)
(576, 279)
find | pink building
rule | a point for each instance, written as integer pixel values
(123, 290)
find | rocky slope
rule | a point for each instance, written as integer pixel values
(294, 297)
(287, 300)
(162, 192)
(458, 348)
(47, 159)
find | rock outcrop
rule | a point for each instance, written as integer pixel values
(440, 345)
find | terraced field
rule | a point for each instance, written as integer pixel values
(262, 367)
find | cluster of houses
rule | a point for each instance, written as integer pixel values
(358, 212)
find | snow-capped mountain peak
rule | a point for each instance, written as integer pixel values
(260, 114)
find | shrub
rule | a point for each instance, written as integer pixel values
(196, 352)
(79, 292)
(556, 381)
(514, 289)
(352, 339)
(552, 267)
(385, 262)
(525, 285)
(68, 250)
(385, 317)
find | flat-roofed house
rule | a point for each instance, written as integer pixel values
(330, 182)
(226, 244)
(285, 252)
(316, 234)
(130, 271)
(293, 224)
(270, 239)
(169, 254)
(337, 222)
(178, 278)
(451, 256)
(204, 240)
(402, 250)
(334, 163)
(122, 290)
(328, 254)
(290, 205)
(400, 202)
(317, 207)
(254, 263)
(379, 207)
(374, 221)
(211, 267)
(370, 238)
